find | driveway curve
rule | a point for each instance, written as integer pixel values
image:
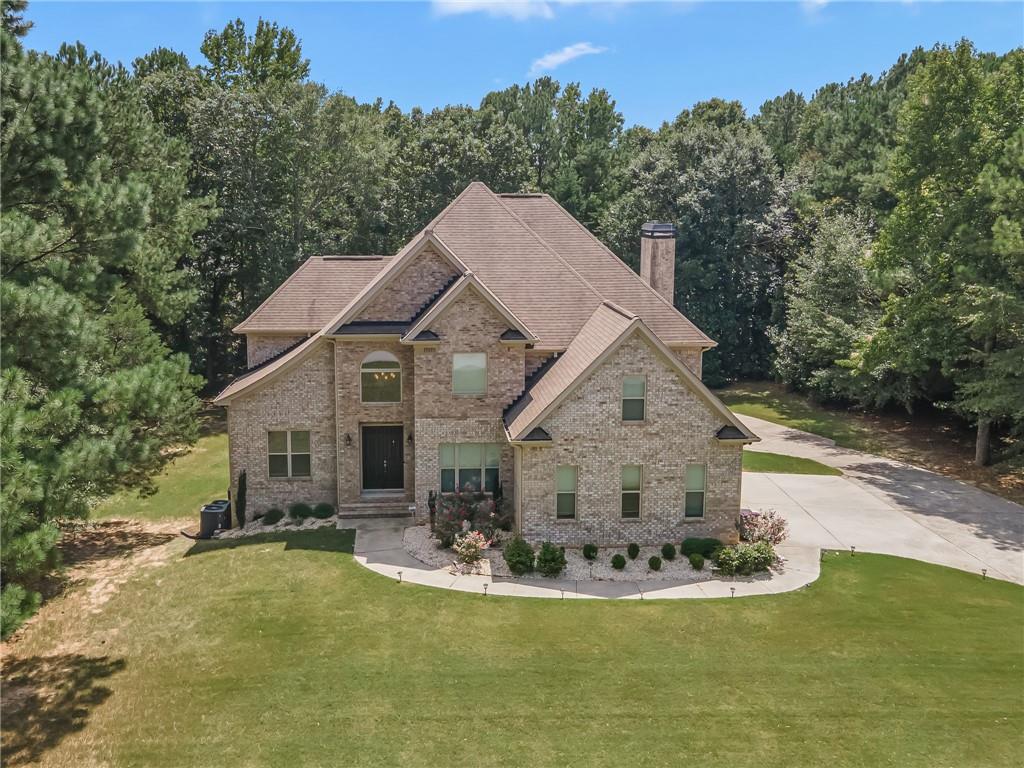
(885, 506)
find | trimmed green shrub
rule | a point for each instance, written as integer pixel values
(590, 551)
(744, 559)
(654, 563)
(300, 511)
(323, 510)
(518, 555)
(618, 562)
(272, 516)
(240, 501)
(706, 547)
(668, 551)
(550, 559)
(696, 561)
(633, 550)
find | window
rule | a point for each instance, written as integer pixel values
(696, 476)
(469, 373)
(565, 492)
(469, 464)
(632, 475)
(289, 454)
(380, 378)
(634, 395)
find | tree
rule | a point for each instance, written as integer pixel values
(95, 210)
(13, 17)
(950, 249)
(272, 53)
(779, 121)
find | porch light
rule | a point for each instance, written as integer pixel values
(409, 439)
(348, 439)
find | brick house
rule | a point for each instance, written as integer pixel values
(504, 344)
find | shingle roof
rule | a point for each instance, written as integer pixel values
(269, 368)
(313, 293)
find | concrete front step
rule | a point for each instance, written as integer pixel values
(367, 509)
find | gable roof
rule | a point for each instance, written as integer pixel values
(269, 369)
(603, 333)
(466, 282)
(312, 294)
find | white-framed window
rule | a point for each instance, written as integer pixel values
(566, 479)
(696, 481)
(634, 398)
(380, 378)
(469, 373)
(288, 453)
(632, 482)
(472, 464)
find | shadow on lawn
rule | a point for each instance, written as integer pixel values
(91, 542)
(49, 697)
(317, 540)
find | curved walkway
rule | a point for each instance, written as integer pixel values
(379, 547)
(885, 506)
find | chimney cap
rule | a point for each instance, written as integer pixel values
(658, 229)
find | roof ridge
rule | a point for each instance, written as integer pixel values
(621, 310)
(619, 261)
(274, 293)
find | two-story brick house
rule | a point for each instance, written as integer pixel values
(503, 344)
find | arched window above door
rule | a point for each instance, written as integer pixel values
(380, 378)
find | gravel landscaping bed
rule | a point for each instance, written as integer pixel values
(418, 543)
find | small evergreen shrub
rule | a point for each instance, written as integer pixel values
(706, 547)
(654, 563)
(590, 551)
(633, 550)
(518, 555)
(668, 551)
(272, 516)
(550, 559)
(300, 511)
(240, 501)
(745, 559)
(696, 561)
(322, 511)
(618, 562)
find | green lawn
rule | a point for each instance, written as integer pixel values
(285, 652)
(192, 480)
(762, 461)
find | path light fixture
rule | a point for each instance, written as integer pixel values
(733, 590)
(853, 551)
(563, 593)
(485, 589)
(399, 577)
(984, 573)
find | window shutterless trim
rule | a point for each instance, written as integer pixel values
(289, 453)
(457, 468)
(574, 492)
(639, 491)
(703, 491)
(380, 355)
(633, 398)
(480, 393)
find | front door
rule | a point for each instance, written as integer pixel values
(383, 465)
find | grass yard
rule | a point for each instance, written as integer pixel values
(192, 480)
(762, 461)
(283, 651)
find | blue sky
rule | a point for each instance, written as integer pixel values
(654, 58)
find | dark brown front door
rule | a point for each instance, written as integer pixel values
(383, 465)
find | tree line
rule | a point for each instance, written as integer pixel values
(863, 246)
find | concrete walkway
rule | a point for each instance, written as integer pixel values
(379, 547)
(885, 506)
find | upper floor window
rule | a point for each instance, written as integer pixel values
(380, 378)
(634, 398)
(696, 480)
(469, 373)
(469, 464)
(289, 453)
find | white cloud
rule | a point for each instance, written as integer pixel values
(515, 9)
(555, 59)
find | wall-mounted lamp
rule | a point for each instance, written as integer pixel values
(348, 439)
(409, 439)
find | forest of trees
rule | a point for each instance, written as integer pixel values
(863, 246)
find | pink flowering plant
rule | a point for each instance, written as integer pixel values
(762, 526)
(470, 510)
(469, 547)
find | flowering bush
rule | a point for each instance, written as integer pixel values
(469, 547)
(762, 526)
(470, 510)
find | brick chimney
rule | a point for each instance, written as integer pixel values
(658, 257)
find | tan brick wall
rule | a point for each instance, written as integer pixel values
(408, 291)
(260, 347)
(297, 400)
(469, 324)
(691, 357)
(588, 432)
(353, 414)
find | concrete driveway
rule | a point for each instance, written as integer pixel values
(885, 506)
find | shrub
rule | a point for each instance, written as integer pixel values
(745, 559)
(518, 555)
(300, 511)
(696, 561)
(272, 516)
(590, 551)
(472, 510)
(633, 550)
(550, 559)
(654, 563)
(469, 547)
(762, 526)
(618, 562)
(240, 501)
(668, 551)
(322, 511)
(706, 547)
